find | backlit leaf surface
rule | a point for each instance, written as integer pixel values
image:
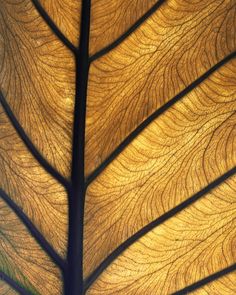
(226, 285)
(37, 79)
(117, 147)
(6, 289)
(22, 258)
(174, 157)
(197, 242)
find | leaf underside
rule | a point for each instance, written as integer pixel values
(117, 132)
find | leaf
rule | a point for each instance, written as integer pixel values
(177, 155)
(197, 242)
(32, 188)
(226, 284)
(117, 147)
(38, 70)
(66, 15)
(111, 19)
(6, 289)
(22, 258)
(169, 51)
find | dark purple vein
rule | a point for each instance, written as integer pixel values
(120, 249)
(42, 161)
(206, 280)
(128, 32)
(53, 26)
(13, 284)
(74, 275)
(33, 230)
(153, 116)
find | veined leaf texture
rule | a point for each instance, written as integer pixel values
(117, 147)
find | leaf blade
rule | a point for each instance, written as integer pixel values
(37, 78)
(179, 44)
(111, 22)
(197, 242)
(163, 166)
(22, 259)
(39, 196)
